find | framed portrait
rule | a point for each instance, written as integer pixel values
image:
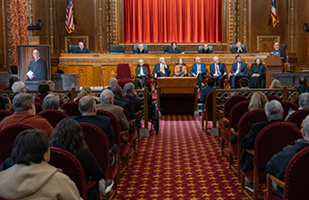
(33, 63)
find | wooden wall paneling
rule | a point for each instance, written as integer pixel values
(3, 48)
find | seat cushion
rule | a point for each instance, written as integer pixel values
(226, 135)
(233, 149)
(273, 196)
(125, 148)
(113, 170)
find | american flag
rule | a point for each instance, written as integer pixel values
(273, 12)
(69, 21)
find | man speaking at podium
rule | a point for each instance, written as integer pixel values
(37, 70)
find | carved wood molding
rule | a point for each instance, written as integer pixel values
(73, 40)
(4, 35)
(267, 40)
(292, 8)
(8, 31)
(232, 21)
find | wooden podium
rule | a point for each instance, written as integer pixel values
(274, 65)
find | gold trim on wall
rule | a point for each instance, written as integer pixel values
(51, 12)
(8, 29)
(245, 22)
(100, 25)
(292, 26)
(4, 35)
(260, 37)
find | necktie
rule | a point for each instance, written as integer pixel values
(217, 68)
(238, 68)
(198, 68)
(162, 69)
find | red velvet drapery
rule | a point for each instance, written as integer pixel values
(173, 20)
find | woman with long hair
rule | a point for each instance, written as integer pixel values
(180, 69)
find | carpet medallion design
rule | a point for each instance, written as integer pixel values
(181, 162)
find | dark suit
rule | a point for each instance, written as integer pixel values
(235, 50)
(205, 51)
(39, 69)
(171, 50)
(139, 51)
(200, 77)
(157, 71)
(137, 107)
(279, 53)
(126, 105)
(242, 72)
(142, 77)
(222, 70)
(204, 92)
(78, 50)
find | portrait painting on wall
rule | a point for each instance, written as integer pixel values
(33, 63)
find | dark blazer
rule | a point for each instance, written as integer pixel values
(138, 69)
(221, 69)
(138, 51)
(194, 69)
(126, 105)
(136, 102)
(171, 50)
(234, 50)
(282, 53)
(78, 50)
(205, 51)
(243, 68)
(204, 92)
(156, 70)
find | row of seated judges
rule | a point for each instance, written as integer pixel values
(31, 152)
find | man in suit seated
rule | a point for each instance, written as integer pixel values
(161, 69)
(278, 52)
(87, 106)
(238, 49)
(239, 69)
(278, 163)
(218, 72)
(173, 48)
(81, 48)
(140, 48)
(111, 82)
(205, 49)
(122, 102)
(206, 90)
(198, 70)
(274, 113)
(130, 94)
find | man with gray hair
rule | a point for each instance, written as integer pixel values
(130, 94)
(87, 106)
(140, 48)
(278, 163)
(218, 72)
(111, 82)
(18, 87)
(303, 104)
(161, 69)
(107, 103)
(24, 108)
(274, 113)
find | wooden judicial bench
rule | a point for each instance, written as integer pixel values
(97, 69)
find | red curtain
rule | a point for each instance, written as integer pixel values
(172, 20)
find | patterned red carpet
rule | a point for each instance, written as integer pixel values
(180, 162)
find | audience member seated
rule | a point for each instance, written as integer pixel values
(206, 90)
(257, 75)
(138, 85)
(180, 69)
(85, 92)
(141, 72)
(302, 85)
(52, 102)
(275, 84)
(107, 103)
(87, 107)
(161, 69)
(18, 87)
(238, 49)
(274, 113)
(218, 72)
(24, 108)
(122, 102)
(239, 69)
(198, 70)
(205, 49)
(140, 48)
(174, 48)
(13, 79)
(81, 48)
(278, 163)
(111, 82)
(68, 135)
(43, 90)
(32, 177)
(51, 85)
(278, 52)
(303, 104)
(130, 94)
(5, 103)
(244, 83)
(257, 102)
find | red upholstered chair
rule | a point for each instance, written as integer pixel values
(296, 101)
(150, 82)
(53, 116)
(273, 97)
(7, 138)
(2, 198)
(123, 147)
(227, 114)
(124, 74)
(286, 105)
(207, 111)
(4, 114)
(298, 116)
(71, 107)
(244, 127)
(271, 140)
(98, 144)
(70, 166)
(296, 179)
(38, 108)
(77, 100)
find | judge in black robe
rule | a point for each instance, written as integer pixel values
(257, 75)
(81, 48)
(38, 67)
(205, 49)
(173, 48)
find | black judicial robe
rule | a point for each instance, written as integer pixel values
(39, 69)
(257, 82)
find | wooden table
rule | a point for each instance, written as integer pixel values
(97, 69)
